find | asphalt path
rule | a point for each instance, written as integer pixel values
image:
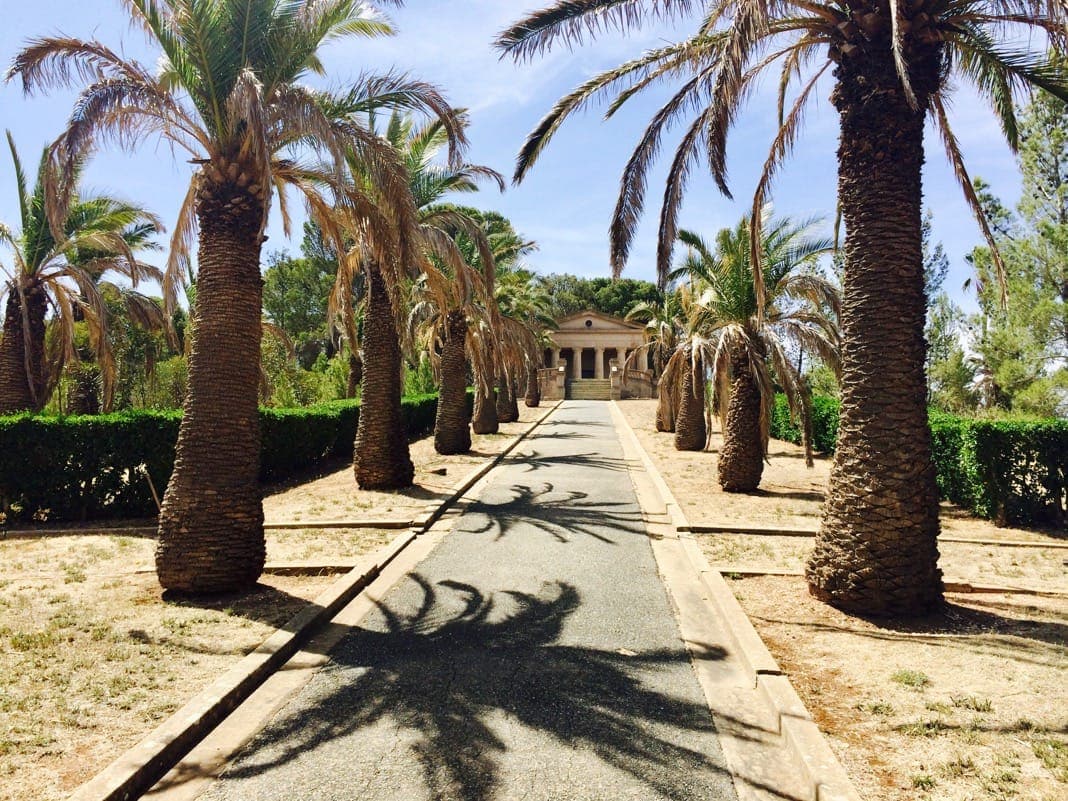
(533, 655)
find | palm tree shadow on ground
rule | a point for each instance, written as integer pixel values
(450, 667)
(993, 628)
(556, 512)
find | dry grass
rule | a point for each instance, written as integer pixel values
(92, 656)
(335, 496)
(967, 705)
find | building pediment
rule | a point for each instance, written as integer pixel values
(593, 321)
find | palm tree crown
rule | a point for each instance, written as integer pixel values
(750, 327)
(64, 269)
(929, 42)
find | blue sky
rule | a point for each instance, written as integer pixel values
(566, 203)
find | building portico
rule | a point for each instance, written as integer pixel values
(594, 346)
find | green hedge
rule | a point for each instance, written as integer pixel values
(824, 422)
(1010, 471)
(85, 468)
(1013, 472)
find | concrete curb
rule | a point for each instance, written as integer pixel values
(958, 586)
(140, 767)
(824, 775)
(775, 531)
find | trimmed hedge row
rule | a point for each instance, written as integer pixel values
(93, 467)
(1012, 472)
(824, 422)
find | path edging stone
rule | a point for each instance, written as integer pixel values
(141, 766)
(827, 780)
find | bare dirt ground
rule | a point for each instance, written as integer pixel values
(335, 496)
(967, 705)
(92, 657)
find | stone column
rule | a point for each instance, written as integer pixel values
(576, 363)
(598, 363)
(556, 357)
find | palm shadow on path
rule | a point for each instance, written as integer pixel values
(440, 672)
(556, 512)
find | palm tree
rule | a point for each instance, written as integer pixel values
(750, 323)
(381, 453)
(97, 235)
(662, 321)
(681, 388)
(227, 93)
(893, 65)
(524, 311)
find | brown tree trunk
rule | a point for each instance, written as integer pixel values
(741, 460)
(691, 433)
(876, 552)
(355, 375)
(452, 425)
(211, 522)
(533, 394)
(22, 369)
(667, 403)
(85, 391)
(381, 459)
(506, 401)
(513, 400)
(485, 420)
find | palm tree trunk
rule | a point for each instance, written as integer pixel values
(505, 401)
(355, 375)
(533, 395)
(211, 521)
(22, 368)
(85, 392)
(690, 431)
(741, 460)
(513, 399)
(485, 420)
(876, 552)
(667, 402)
(381, 459)
(452, 425)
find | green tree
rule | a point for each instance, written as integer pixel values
(1021, 335)
(296, 294)
(893, 66)
(62, 263)
(228, 91)
(745, 336)
(570, 294)
(381, 457)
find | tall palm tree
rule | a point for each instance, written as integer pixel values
(381, 452)
(227, 92)
(662, 321)
(893, 65)
(750, 355)
(681, 388)
(524, 313)
(96, 235)
(523, 300)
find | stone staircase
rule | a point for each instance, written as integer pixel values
(589, 389)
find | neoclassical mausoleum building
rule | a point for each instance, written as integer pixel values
(587, 359)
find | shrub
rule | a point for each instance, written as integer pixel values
(85, 468)
(1014, 472)
(824, 422)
